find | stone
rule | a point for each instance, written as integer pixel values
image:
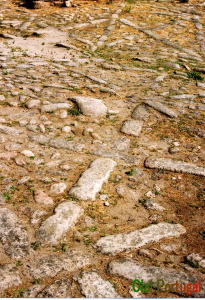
(91, 107)
(56, 226)
(9, 276)
(140, 113)
(94, 286)
(132, 127)
(10, 130)
(33, 103)
(13, 236)
(42, 198)
(59, 289)
(162, 108)
(174, 166)
(132, 270)
(91, 181)
(113, 244)
(196, 260)
(58, 188)
(152, 205)
(27, 153)
(54, 107)
(51, 265)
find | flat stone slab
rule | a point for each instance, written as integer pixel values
(113, 244)
(132, 270)
(10, 130)
(91, 181)
(59, 289)
(162, 108)
(132, 127)
(50, 265)
(53, 228)
(94, 286)
(54, 107)
(9, 276)
(91, 106)
(174, 166)
(140, 112)
(13, 236)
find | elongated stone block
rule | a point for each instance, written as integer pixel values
(174, 166)
(94, 286)
(92, 179)
(161, 108)
(136, 239)
(53, 228)
(50, 265)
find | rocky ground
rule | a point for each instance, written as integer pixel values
(102, 148)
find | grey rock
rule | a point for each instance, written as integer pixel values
(94, 286)
(9, 276)
(140, 113)
(161, 108)
(54, 107)
(55, 227)
(91, 106)
(50, 265)
(136, 239)
(59, 289)
(91, 181)
(13, 236)
(132, 270)
(10, 130)
(132, 127)
(174, 166)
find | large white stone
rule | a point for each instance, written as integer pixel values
(138, 238)
(54, 106)
(91, 106)
(132, 127)
(174, 166)
(53, 228)
(13, 236)
(9, 276)
(50, 265)
(92, 179)
(94, 286)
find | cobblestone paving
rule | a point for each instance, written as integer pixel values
(101, 148)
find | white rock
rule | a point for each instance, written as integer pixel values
(132, 127)
(33, 103)
(58, 188)
(55, 106)
(53, 228)
(91, 106)
(27, 153)
(9, 276)
(50, 265)
(92, 179)
(42, 198)
(66, 129)
(94, 286)
(136, 239)
(2, 98)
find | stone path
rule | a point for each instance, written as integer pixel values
(101, 148)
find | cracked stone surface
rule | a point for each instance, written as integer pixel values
(101, 146)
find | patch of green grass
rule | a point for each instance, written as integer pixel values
(74, 112)
(93, 228)
(35, 245)
(195, 75)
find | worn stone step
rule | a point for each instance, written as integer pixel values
(174, 166)
(113, 244)
(91, 181)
